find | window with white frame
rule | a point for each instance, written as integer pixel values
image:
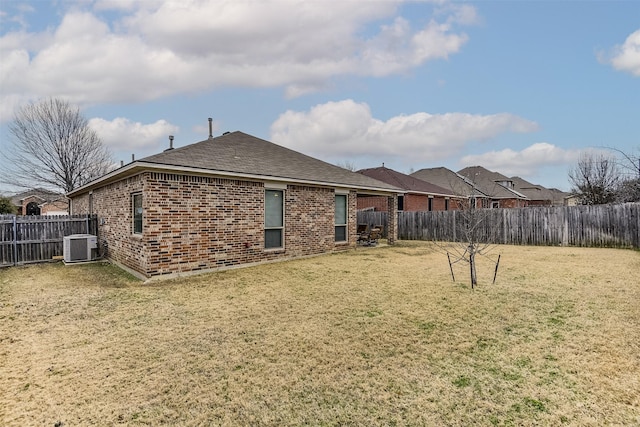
(273, 219)
(341, 218)
(136, 206)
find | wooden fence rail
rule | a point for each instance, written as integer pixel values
(597, 226)
(29, 239)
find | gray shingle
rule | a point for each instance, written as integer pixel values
(238, 152)
(445, 178)
(406, 182)
(489, 182)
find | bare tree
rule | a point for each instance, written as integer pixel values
(475, 236)
(629, 164)
(346, 164)
(53, 146)
(472, 228)
(595, 179)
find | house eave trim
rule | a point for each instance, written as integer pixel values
(137, 167)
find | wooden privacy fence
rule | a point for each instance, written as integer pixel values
(599, 225)
(29, 239)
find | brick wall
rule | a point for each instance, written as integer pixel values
(512, 203)
(392, 219)
(55, 206)
(193, 223)
(112, 203)
(411, 202)
(379, 203)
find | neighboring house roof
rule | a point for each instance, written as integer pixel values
(491, 183)
(239, 155)
(537, 192)
(448, 179)
(60, 200)
(40, 193)
(558, 195)
(406, 182)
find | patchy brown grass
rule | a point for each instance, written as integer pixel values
(376, 336)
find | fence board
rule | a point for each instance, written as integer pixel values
(29, 239)
(599, 225)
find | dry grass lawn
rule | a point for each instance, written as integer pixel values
(377, 336)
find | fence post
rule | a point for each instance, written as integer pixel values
(15, 240)
(454, 225)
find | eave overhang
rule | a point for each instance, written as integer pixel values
(138, 167)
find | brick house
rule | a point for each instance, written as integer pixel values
(226, 201)
(454, 183)
(419, 195)
(537, 194)
(39, 201)
(500, 190)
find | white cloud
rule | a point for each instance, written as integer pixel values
(346, 129)
(157, 49)
(626, 57)
(525, 162)
(126, 5)
(121, 133)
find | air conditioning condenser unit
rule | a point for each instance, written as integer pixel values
(80, 247)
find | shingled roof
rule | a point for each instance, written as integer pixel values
(237, 154)
(40, 193)
(406, 182)
(448, 179)
(490, 183)
(538, 192)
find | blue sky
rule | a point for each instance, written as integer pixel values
(519, 87)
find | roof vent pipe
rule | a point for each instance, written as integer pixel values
(210, 128)
(170, 143)
(133, 157)
(121, 163)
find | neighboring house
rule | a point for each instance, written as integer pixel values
(572, 200)
(537, 194)
(499, 189)
(453, 183)
(559, 196)
(38, 201)
(419, 195)
(226, 201)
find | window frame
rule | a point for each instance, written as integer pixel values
(134, 217)
(341, 225)
(281, 227)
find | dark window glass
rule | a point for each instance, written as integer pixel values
(137, 213)
(273, 218)
(341, 218)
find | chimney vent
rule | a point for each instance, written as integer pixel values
(121, 163)
(210, 128)
(133, 157)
